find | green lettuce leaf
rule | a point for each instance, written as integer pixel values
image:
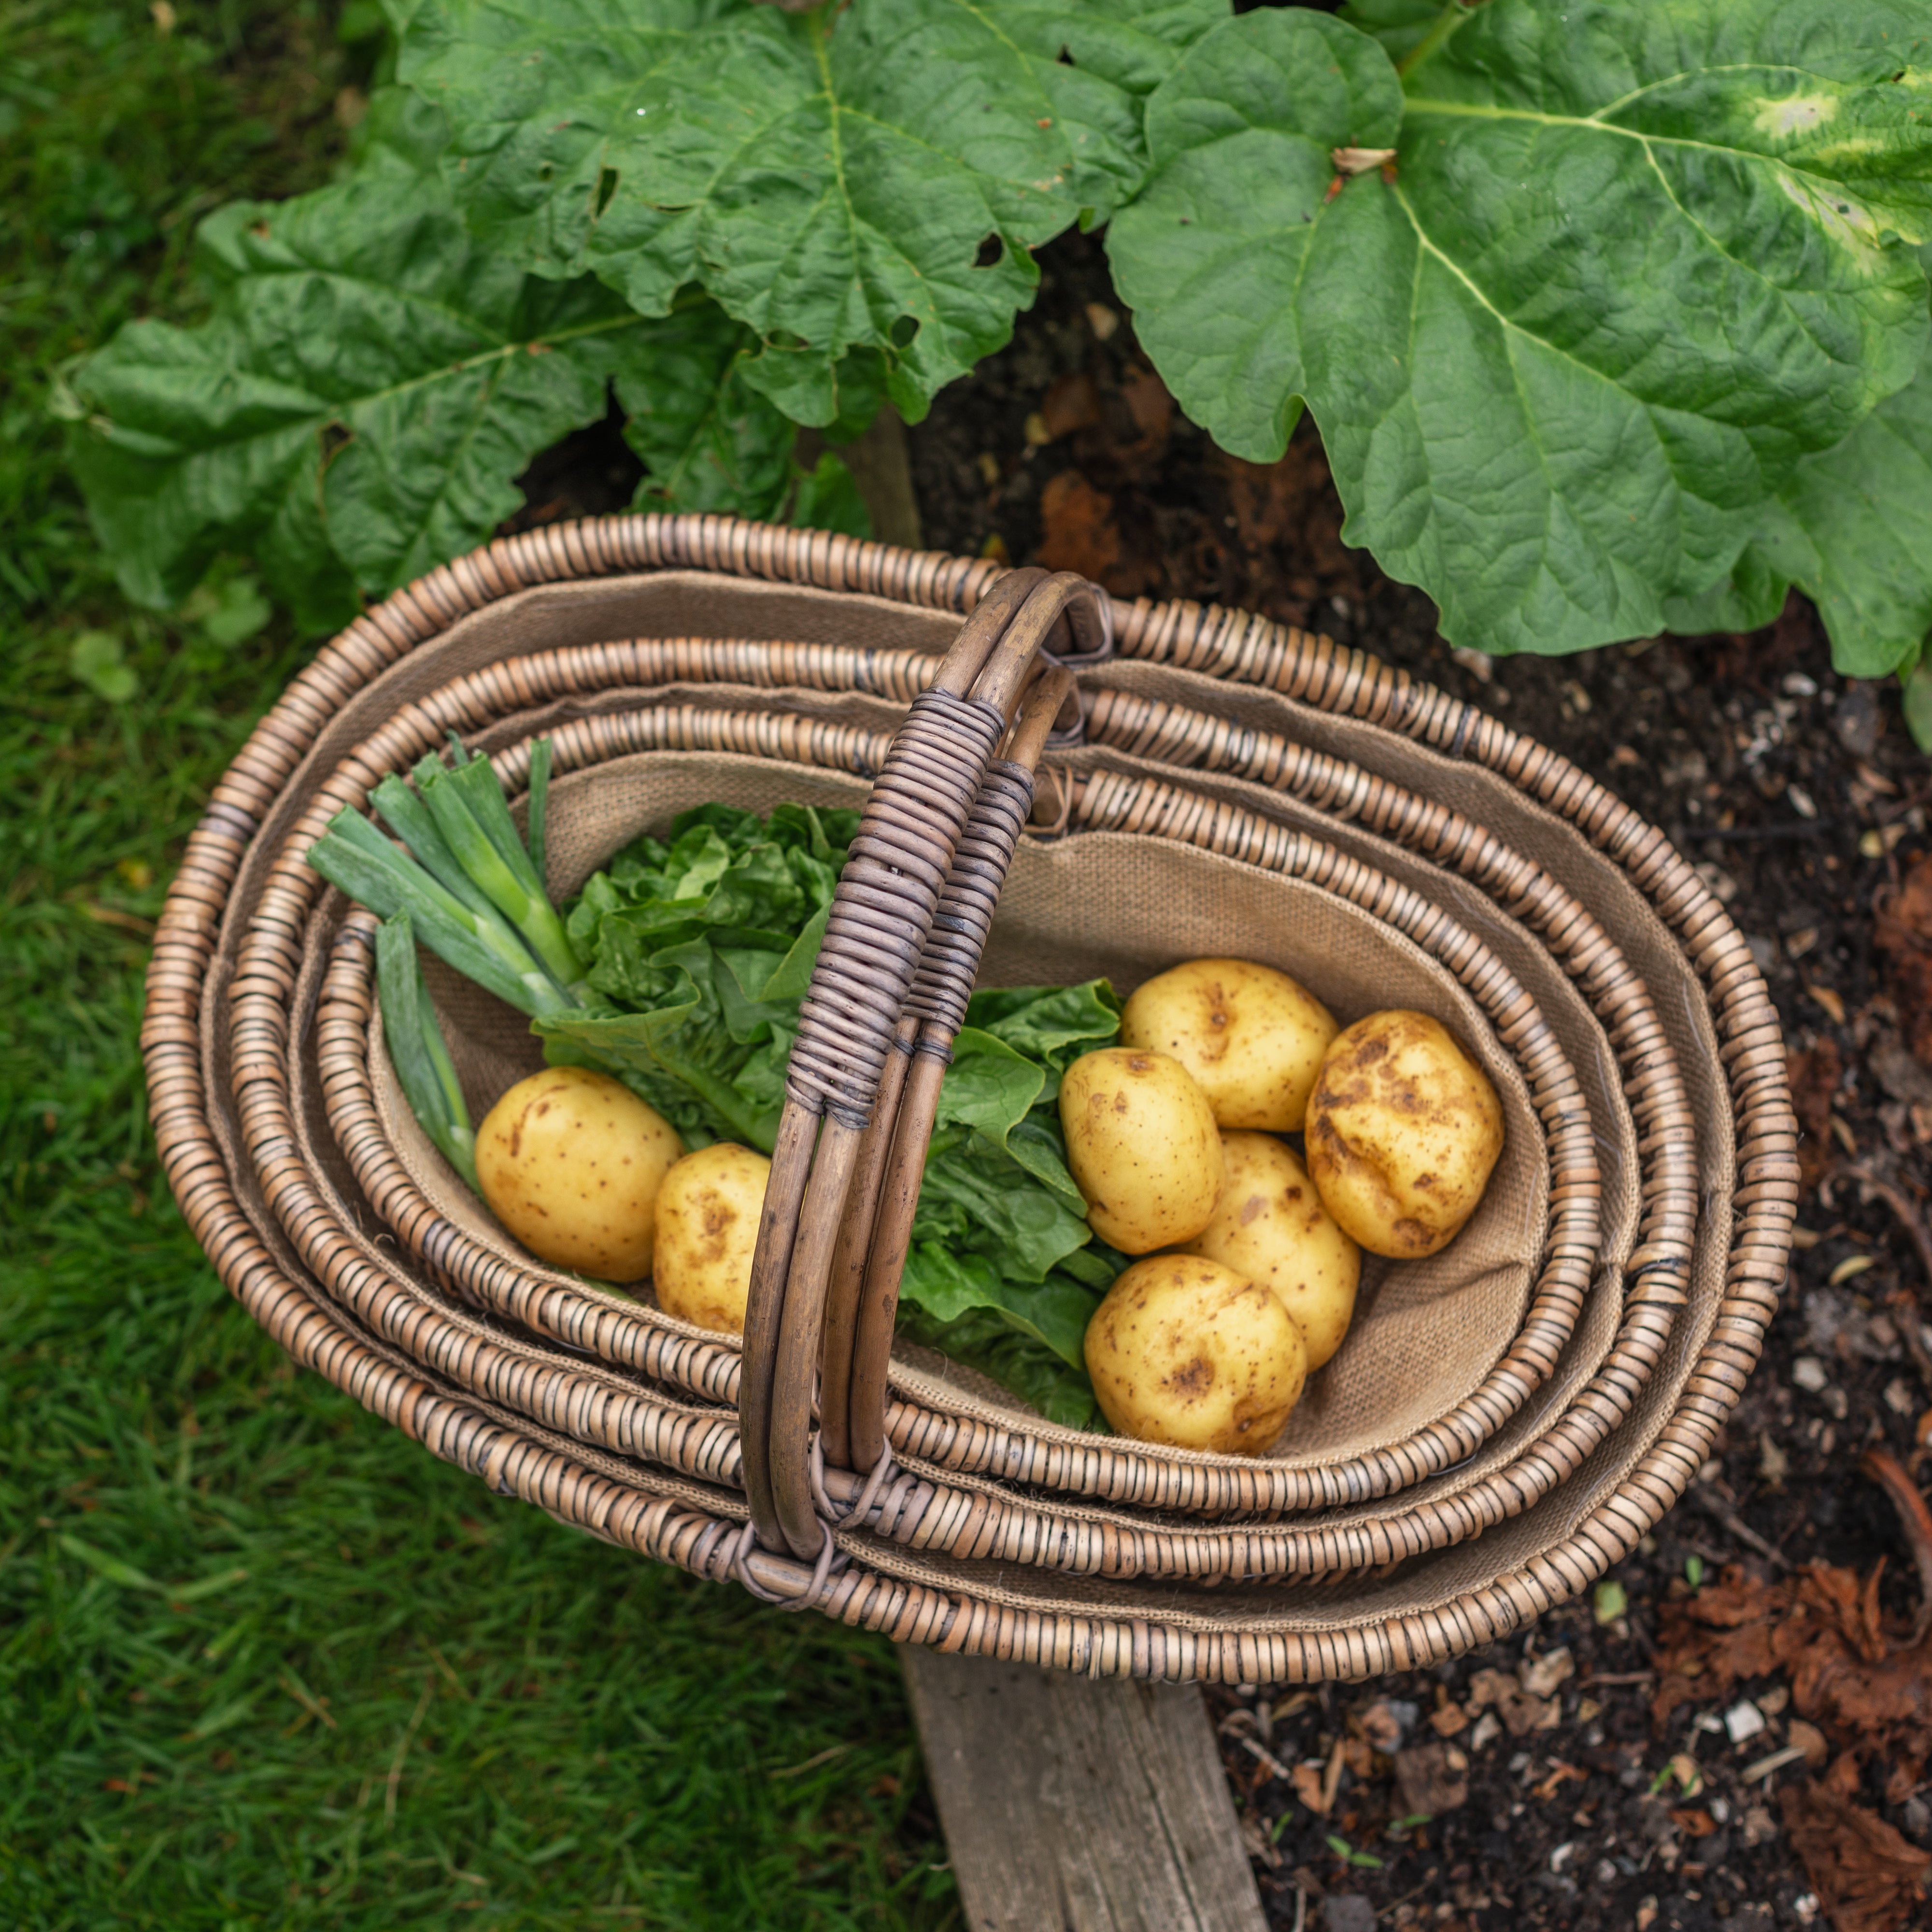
(980, 1201)
(946, 1285)
(988, 1087)
(857, 184)
(984, 1338)
(710, 1052)
(709, 939)
(1053, 1024)
(1629, 264)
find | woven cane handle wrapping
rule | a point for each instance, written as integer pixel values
(863, 1302)
(877, 939)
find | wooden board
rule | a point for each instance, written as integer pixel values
(1075, 1806)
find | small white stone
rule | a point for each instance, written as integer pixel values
(1560, 1857)
(1743, 1721)
(1808, 1373)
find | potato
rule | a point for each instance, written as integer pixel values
(1271, 1228)
(1186, 1351)
(1142, 1144)
(1403, 1130)
(1252, 1037)
(708, 1212)
(570, 1161)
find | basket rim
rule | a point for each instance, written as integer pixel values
(1444, 829)
(1320, 1548)
(1357, 1478)
(1236, 646)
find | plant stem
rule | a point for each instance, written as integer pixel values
(1451, 17)
(417, 1049)
(353, 855)
(540, 755)
(467, 805)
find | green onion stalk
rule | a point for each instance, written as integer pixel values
(464, 883)
(418, 1051)
(469, 884)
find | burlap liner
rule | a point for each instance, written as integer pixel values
(673, 603)
(1429, 1330)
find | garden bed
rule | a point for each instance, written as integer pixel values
(1802, 793)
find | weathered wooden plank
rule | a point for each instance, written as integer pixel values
(1075, 1806)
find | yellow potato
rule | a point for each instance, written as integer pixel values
(708, 1212)
(1141, 1143)
(1252, 1037)
(1271, 1228)
(570, 1162)
(1403, 1130)
(1185, 1351)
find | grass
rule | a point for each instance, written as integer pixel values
(262, 1661)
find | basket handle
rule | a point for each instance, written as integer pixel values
(877, 1233)
(877, 937)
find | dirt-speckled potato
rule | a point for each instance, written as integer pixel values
(1142, 1144)
(1252, 1037)
(571, 1162)
(708, 1212)
(1271, 1228)
(1185, 1351)
(1403, 1130)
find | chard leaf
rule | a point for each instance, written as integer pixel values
(1631, 263)
(372, 381)
(836, 179)
(1853, 529)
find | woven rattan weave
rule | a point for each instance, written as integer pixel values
(1583, 943)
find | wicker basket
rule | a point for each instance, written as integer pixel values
(1651, 1129)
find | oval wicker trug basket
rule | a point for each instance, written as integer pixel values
(1228, 761)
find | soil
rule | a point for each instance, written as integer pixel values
(1803, 800)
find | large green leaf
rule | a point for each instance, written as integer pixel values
(709, 439)
(865, 180)
(1632, 261)
(371, 383)
(1853, 529)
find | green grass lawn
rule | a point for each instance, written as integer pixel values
(262, 1661)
